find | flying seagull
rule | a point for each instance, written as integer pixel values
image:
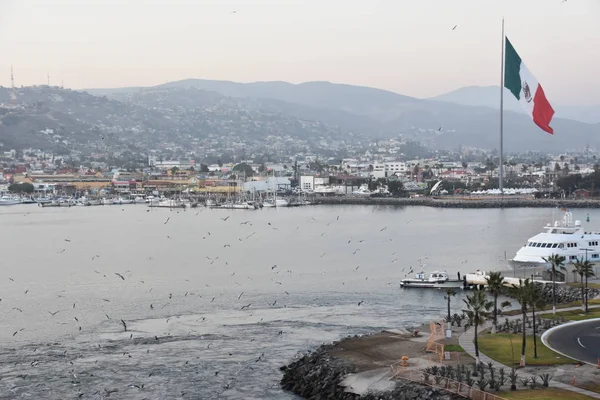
(454, 27)
(124, 325)
(119, 275)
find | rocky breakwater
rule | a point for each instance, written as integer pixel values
(318, 375)
(461, 202)
(567, 294)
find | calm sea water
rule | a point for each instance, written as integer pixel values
(216, 301)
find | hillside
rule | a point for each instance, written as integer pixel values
(380, 113)
(176, 120)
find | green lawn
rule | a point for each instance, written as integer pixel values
(593, 302)
(575, 315)
(497, 347)
(543, 394)
(453, 347)
(590, 285)
(593, 387)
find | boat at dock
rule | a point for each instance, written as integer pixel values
(564, 238)
(10, 200)
(435, 280)
(168, 203)
(238, 205)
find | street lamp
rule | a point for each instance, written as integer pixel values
(586, 282)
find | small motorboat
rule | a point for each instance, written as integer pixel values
(435, 280)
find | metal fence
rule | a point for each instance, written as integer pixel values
(447, 384)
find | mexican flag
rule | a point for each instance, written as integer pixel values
(526, 89)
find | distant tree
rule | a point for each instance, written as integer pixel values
(219, 163)
(245, 168)
(21, 188)
(464, 164)
(396, 188)
(174, 170)
(204, 168)
(262, 168)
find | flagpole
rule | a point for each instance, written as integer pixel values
(501, 169)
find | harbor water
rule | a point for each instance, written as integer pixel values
(201, 303)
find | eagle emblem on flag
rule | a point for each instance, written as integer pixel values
(527, 92)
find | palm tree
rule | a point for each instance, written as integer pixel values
(584, 269)
(494, 283)
(521, 294)
(478, 311)
(536, 299)
(449, 293)
(556, 262)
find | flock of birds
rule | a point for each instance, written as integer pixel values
(239, 232)
(247, 229)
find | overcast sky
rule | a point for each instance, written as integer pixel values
(404, 46)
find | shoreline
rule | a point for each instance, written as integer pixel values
(461, 202)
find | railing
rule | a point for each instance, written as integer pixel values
(447, 384)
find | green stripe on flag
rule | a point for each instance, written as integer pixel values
(512, 67)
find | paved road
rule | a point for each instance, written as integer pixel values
(579, 341)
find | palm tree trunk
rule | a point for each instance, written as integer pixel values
(534, 338)
(524, 343)
(582, 294)
(476, 342)
(449, 324)
(553, 291)
(495, 312)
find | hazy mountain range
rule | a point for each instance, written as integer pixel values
(489, 96)
(467, 116)
(186, 111)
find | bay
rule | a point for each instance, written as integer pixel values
(298, 274)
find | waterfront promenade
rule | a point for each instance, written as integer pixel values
(466, 342)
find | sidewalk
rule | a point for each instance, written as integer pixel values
(466, 342)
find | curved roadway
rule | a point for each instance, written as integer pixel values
(580, 341)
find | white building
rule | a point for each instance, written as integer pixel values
(308, 183)
(378, 171)
(392, 168)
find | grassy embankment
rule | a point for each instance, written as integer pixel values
(593, 302)
(575, 315)
(497, 347)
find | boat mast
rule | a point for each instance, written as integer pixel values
(501, 174)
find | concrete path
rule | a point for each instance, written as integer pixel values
(466, 342)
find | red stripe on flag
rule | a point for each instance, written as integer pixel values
(542, 111)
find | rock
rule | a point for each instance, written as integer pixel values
(566, 294)
(318, 375)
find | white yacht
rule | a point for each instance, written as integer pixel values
(10, 200)
(435, 280)
(565, 238)
(363, 190)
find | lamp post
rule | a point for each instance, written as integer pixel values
(586, 283)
